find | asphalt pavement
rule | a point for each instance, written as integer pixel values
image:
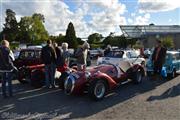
(150, 100)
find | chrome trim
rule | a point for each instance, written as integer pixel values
(87, 75)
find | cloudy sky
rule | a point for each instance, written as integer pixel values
(89, 16)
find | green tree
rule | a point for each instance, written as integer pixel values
(107, 41)
(168, 42)
(70, 36)
(32, 29)
(80, 41)
(10, 29)
(25, 33)
(58, 39)
(94, 38)
(39, 32)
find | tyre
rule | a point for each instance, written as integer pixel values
(23, 75)
(97, 89)
(173, 74)
(38, 79)
(137, 77)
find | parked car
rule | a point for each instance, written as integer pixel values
(171, 66)
(97, 81)
(28, 60)
(115, 56)
(94, 54)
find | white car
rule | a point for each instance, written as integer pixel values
(114, 56)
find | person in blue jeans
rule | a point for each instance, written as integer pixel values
(6, 67)
(48, 56)
(6, 78)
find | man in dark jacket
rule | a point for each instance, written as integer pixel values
(48, 56)
(158, 57)
(6, 67)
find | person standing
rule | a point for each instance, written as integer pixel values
(6, 67)
(65, 54)
(158, 58)
(107, 50)
(48, 56)
(81, 55)
(59, 55)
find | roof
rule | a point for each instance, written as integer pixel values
(137, 31)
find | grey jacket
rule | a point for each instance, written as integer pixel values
(81, 56)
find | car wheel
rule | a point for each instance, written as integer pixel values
(98, 89)
(22, 80)
(23, 75)
(138, 77)
(173, 74)
(38, 79)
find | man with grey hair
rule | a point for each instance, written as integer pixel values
(6, 67)
(65, 54)
(81, 55)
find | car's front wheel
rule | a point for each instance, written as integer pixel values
(98, 89)
(138, 76)
(23, 75)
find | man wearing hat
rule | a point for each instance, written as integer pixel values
(158, 57)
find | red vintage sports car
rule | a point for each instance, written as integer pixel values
(99, 80)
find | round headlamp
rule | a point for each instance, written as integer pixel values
(87, 75)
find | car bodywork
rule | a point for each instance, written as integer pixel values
(110, 75)
(170, 67)
(115, 56)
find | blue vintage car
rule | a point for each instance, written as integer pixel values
(170, 67)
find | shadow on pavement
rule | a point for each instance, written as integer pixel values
(53, 103)
(171, 92)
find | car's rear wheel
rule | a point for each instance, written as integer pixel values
(138, 76)
(97, 89)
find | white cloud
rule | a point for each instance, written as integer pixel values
(139, 19)
(105, 19)
(157, 5)
(130, 21)
(142, 20)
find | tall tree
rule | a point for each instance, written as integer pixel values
(70, 36)
(10, 29)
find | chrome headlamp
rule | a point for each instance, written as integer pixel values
(87, 75)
